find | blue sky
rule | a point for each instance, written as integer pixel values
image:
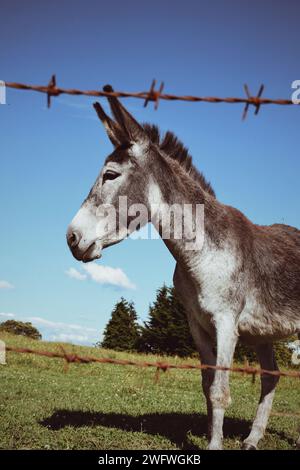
(50, 158)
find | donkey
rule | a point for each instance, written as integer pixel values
(243, 283)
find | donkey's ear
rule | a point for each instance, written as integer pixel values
(129, 125)
(114, 131)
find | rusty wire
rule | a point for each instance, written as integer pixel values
(158, 365)
(153, 94)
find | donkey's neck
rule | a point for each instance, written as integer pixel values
(174, 186)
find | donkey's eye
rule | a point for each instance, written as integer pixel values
(110, 175)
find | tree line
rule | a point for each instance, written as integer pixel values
(20, 328)
(165, 332)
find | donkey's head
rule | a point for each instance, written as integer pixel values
(125, 173)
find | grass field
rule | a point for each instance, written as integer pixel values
(97, 406)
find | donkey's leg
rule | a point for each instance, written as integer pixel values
(219, 391)
(204, 346)
(203, 342)
(267, 361)
(207, 381)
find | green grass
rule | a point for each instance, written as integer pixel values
(99, 406)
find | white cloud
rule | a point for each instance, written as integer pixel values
(67, 338)
(59, 325)
(6, 285)
(74, 274)
(107, 275)
(58, 331)
(65, 332)
(102, 275)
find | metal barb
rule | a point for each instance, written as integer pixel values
(52, 90)
(154, 95)
(65, 356)
(254, 100)
(260, 91)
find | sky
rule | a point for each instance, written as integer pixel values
(49, 159)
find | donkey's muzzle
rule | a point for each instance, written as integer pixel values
(73, 238)
(81, 248)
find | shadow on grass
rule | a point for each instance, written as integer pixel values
(173, 426)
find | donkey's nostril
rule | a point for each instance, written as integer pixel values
(73, 238)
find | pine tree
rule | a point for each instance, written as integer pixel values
(167, 330)
(122, 331)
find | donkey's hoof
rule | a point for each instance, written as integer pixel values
(248, 446)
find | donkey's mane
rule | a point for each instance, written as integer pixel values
(175, 149)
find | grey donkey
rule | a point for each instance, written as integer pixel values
(243, 283)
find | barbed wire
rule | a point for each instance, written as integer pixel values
(153, 94)
(158, 365)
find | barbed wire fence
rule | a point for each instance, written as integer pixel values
(154, 94)
(158, 365)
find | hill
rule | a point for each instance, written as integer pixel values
(103, 406)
